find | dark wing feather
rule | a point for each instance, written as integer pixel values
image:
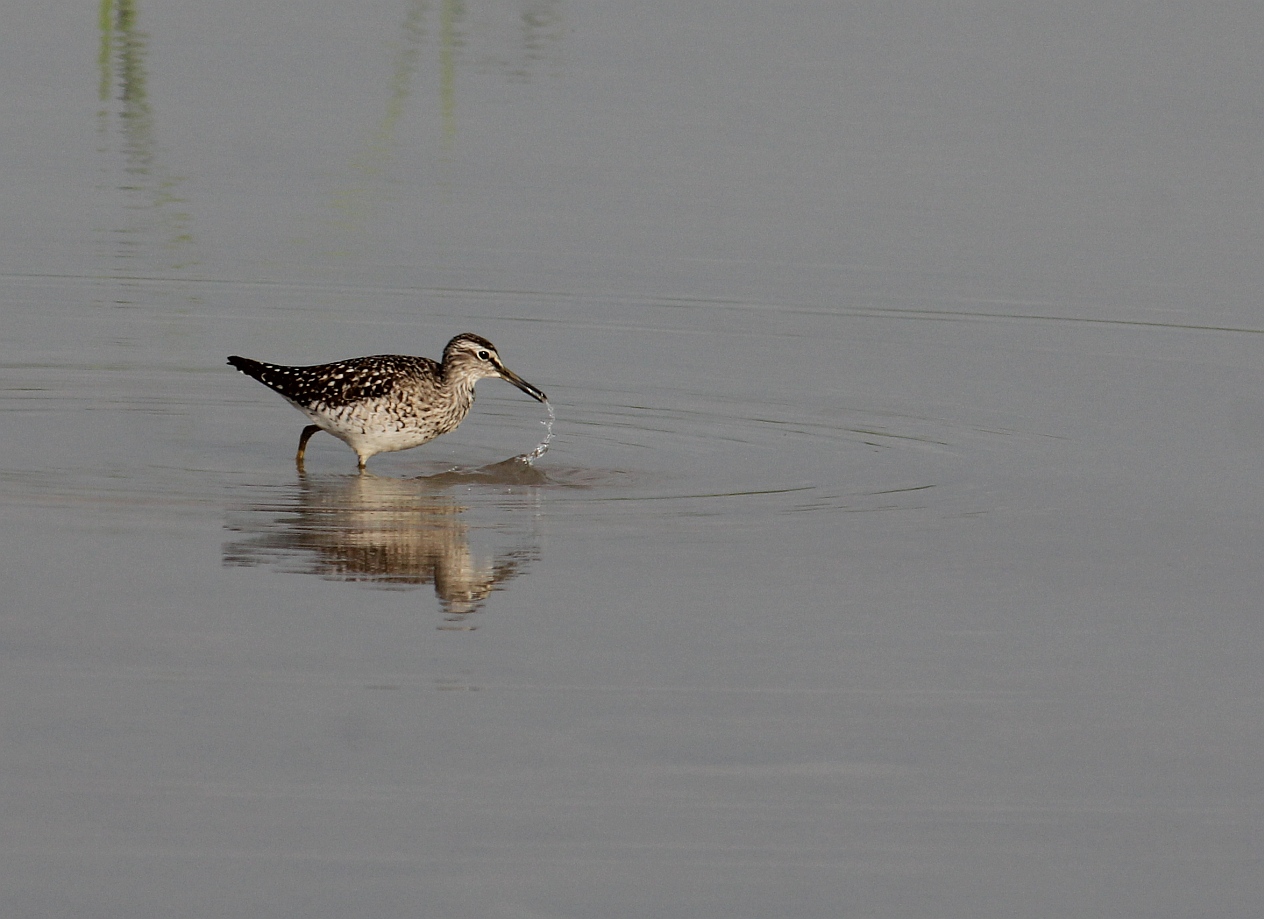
(339, 383)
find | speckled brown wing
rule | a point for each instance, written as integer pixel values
(364, 379)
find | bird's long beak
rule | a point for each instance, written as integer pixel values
(507, 374)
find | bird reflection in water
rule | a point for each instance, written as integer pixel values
(382, 532)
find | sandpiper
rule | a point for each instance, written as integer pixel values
(387, 402)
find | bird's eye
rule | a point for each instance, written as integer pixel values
(483, 355)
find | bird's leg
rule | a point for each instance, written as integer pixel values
(302, 444)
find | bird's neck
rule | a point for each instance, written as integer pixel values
(460, 388)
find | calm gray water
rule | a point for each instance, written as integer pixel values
(897, 554)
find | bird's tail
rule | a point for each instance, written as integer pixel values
(247, 366)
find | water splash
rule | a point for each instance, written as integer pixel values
(530, 458)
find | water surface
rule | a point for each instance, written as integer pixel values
(896, 551)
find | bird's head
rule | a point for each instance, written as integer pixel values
(471, 357)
